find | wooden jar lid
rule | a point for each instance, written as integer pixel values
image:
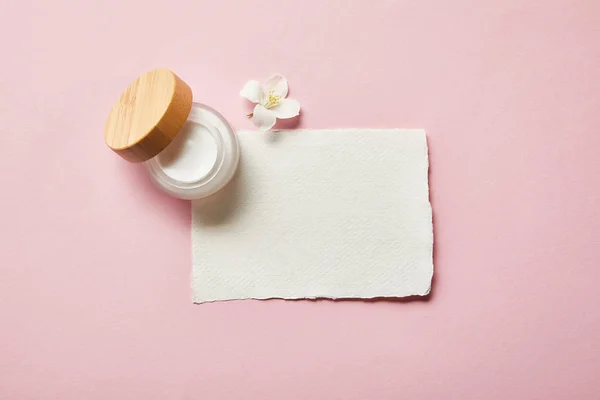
(148, 115)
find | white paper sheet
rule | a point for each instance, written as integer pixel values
(318, 213)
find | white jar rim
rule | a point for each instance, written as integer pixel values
(225, 164)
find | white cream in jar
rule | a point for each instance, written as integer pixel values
(190, 150)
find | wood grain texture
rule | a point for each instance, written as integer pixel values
(148, 115)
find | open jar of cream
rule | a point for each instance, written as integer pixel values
(189, 149)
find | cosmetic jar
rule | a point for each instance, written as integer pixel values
(189, 150)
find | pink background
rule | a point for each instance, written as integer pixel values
(95, 263)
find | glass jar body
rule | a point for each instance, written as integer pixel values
(202, 158)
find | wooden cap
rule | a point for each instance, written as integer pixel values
(148, 115)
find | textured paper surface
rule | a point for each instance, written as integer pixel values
(318, 213)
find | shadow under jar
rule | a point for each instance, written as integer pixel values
(189, 149)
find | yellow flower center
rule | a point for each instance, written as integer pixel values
(272, 100)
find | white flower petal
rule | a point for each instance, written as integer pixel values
(264, 119)
(287, 108)
(278, 84)
(252, 90)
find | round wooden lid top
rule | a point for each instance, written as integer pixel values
(148, 115)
